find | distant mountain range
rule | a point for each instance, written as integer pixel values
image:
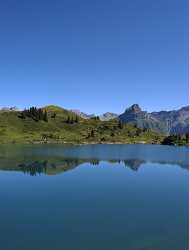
(166, 122)
(53, 124)
(143, 119)
(108, 116)
(104, 117)
(82, 114)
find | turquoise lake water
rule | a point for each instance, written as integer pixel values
(94, 197)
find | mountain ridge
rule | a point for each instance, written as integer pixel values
(166, 122)
(53, 124)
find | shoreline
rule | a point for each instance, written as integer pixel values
(83, 143)
(75, 143)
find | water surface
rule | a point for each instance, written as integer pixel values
(94, 197)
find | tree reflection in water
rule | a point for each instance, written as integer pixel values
(44, 167)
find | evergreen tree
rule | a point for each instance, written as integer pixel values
(120, 124)
(92, 133)
(68, 120)
(35, 114)
(53, 115)
(71, 120)
(45, 118)
(187, 137)
(76, 119)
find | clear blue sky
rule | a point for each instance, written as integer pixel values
(97, 56)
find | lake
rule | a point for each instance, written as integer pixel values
(94, 197)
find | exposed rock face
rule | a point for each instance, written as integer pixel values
(82, 114)
(142, 119)
(166, 122)
(135, 108)
(108, 116)
(105, 117)
(177, 120)
(9, 109)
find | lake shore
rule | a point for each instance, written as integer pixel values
(78, 143)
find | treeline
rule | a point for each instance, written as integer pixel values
(95, 118)
(35, 114)
(182, 139)
(72, 119)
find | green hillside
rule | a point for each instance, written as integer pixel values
(53, 124)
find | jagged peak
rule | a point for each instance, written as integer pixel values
(110, 113)
(134, 108)
(82, 114)
(185, 108)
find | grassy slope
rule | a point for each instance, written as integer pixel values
(14, 129)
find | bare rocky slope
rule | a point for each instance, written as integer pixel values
(166, 122)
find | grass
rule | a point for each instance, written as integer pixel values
(16, 130)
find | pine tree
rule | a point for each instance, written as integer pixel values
(45, 117)
(68, 120)
(53, 115)
(187, 137)
(71, 120)
(92, 133)
(35, 114)
(120, 124)
(76, 119)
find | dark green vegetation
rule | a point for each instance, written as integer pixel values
(35, 114)
(177, 140)
(53, 124)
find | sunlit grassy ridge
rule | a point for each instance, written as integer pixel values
(64, 126)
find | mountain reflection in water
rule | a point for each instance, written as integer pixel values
(37, 167)
(56, 159)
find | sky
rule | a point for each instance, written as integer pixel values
(96, 56)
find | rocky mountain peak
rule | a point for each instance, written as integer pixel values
(108, 116)
(134, 108)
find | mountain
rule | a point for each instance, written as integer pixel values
(56, 124)
(166, 122)
(143, 119)
(104, 117)
(53, 124)
(9, 109)
(177, 120)
(82, 114)
(108, 116)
